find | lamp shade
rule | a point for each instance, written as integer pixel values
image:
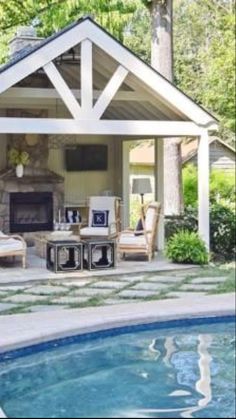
(141, 186)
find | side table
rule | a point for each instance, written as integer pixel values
(64, 255)
(99, 254)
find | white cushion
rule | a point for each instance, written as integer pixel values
(10, 245)
(94, 231)
(132, 240)
(102, 203)
(2, 234)
(149, 219)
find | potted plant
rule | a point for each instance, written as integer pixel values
(18, 159)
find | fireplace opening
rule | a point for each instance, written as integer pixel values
(31, 211)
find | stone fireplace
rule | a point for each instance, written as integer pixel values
(22, 200)
(31, 211)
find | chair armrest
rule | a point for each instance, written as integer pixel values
(17, 237)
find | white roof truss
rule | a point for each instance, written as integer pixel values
(144, 83)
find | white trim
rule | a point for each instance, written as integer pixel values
(86, 79)
(63, 89)
(109, 92)
(100, 127)
(203, 188)
(87, 29)
(159, 177)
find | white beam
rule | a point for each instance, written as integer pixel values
(159, 192)
(109, 92)
(203, 188)
(63, 90)
(86, 79)
(125, 184)
(44, 93)
(100, 127)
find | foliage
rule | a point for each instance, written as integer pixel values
(186, 247)
(187, 221)
(222, 186)
(16, 157)
(222, 231)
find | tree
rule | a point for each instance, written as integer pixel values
(162, 60)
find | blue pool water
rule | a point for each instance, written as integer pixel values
(176, 372)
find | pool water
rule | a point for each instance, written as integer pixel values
(184, 372)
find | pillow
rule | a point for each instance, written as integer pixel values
(139, 228)
(100, 218)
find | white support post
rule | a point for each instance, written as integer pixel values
(203, 188)
(63, 89)
(159, 192)
(125, 183)
(86, 79)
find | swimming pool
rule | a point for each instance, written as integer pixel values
(151, 371)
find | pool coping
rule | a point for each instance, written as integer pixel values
(21, 330)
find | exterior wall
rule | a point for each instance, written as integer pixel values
(3, 147)
(80, 185)
(220, 157)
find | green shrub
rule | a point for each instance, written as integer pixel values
(222, 231)
(190, 183)
(186, 247)
(187, 221)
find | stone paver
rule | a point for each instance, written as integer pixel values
(165, 279)
(3, 293)
(16, 288)
(46, 290)
(130, 278)
(42, 308)
(209, 280)
(197, 287)
(182, 294)
(74, 284)
(70, 300)
(93, 291)
(150, 286)
(23, 298)
(111, 301)
(111, 284)
(137, 294)
(6, 306)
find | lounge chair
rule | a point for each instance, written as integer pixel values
(104, 218)
(13, 245)
(144, 241)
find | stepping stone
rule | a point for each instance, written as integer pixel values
(12, 288)
(3, 293)
(46, 290)
(150, 286)
(198, 287)
(111, 301)
(130, 278)
(137, 294)
(111, 284)
(179, 294)
(166, 279)
(209, 280)
(91, 292)
(6, 306)
(75, 284)
(39, 309)
(22, 298)
(70, 300)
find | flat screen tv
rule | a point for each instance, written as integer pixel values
(86, 157)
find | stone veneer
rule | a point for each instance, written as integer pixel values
(37, 177)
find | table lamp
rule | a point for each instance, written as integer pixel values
(141, 186)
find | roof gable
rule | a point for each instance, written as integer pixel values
(85, 28)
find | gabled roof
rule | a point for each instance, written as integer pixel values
(189, 150)
(49, 49)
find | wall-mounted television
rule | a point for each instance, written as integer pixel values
(86, 157)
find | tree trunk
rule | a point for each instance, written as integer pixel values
(162, 61)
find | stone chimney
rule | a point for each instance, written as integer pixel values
(24, 39)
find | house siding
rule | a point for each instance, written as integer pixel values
(220, 158)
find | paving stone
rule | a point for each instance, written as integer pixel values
(111, 301)
(198, 287)
(136, 293)
(166, 279)
(6, 306)
(70, 300)
(111, 284)
(150, 286)
(46, 290)
(42, 308)
(130, 278)
(75, 284)
(4, 293)
(179, 294)
(12, 288)
(93, 291)
(23, 298)
(209, 280)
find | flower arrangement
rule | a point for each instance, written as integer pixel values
(17, 157)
